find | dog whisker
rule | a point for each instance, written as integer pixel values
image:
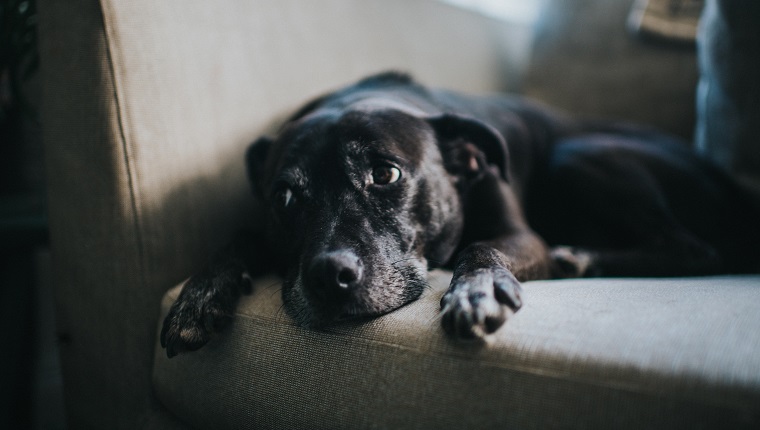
(273, 284)
(278, 290)
(402, 260)
(280, 314)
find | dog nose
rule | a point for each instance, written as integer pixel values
(337, 271)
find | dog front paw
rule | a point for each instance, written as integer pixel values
(479, 302)
(204, 307)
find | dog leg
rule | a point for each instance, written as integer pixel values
(208, 299)
(485, 289)
(671, 254)
(503, 251)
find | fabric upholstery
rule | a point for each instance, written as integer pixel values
(604, 353)
(148, 110)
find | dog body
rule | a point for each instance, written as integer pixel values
(369, 187)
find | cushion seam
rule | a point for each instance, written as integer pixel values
(122, 136)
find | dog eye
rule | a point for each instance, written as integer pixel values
(284, 197)
(384, 175)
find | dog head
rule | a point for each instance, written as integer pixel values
(364, 196)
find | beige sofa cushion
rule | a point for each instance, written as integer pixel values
(604, 353)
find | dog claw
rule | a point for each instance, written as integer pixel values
(479, 303)
(508, 294)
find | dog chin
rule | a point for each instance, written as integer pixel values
(304, 313)
(321, 318)
(323, 315)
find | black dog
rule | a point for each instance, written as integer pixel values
(372, 185)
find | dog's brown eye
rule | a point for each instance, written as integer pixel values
(384, 175)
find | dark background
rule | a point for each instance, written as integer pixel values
(30, 394)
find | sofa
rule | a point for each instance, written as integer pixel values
(148, 109)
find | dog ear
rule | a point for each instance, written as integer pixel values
(255, 160)
(469, 146)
